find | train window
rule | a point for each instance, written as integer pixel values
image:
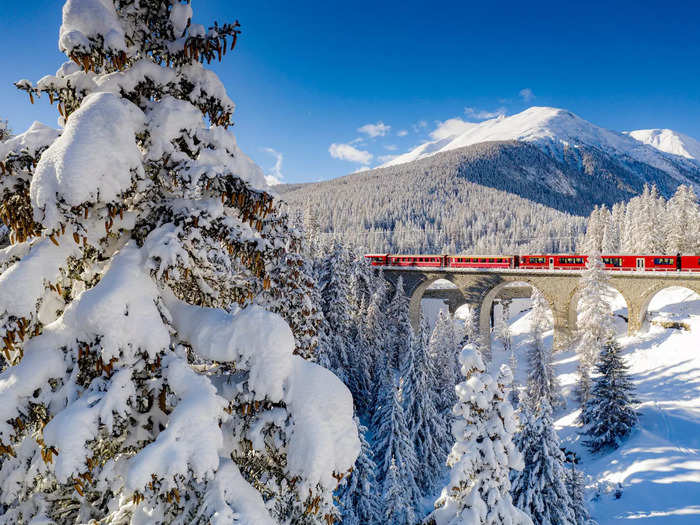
(613, 261)
(537, 260)
(571, 260)
(663, 260)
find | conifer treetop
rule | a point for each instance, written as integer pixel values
(138, 378)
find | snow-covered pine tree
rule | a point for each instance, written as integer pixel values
(443, 351)
(293, 292)
(359, 500)
(617, 220)
(628, 242)
(335, 296)
(398, 507)
(374, 342)
(594, 231)
(428, 426)
(140, 383)
(683, 222)
(651, 228)
(542, 382)
(484, 454)
(594, 319)
(610, 241)
(399, 328)
(363, 351)
(5, 131)
(393, 443)
(609, 412)
(575, 486)
(469, 334)
(313, 233)
(503, 326)
(539, 489)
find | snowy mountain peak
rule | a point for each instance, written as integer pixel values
(555, 131)
(669, 141)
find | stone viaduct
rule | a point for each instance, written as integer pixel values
(480, 287)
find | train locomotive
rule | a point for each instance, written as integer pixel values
(654, 263)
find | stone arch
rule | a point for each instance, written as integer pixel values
(418, 289)
(490, 296)
(651, 292)
(572, 306)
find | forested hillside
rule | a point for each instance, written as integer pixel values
(490, 197)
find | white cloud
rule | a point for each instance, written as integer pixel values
(375, 130)
(349, 153)
(526, 94)
(402, 133)
(391, 147)
(386, 158)
(482, 114)
(362, 168)
(450, 128)
(275, 176)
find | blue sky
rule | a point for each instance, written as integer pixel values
(307, 75)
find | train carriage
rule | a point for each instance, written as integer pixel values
(481, 261)
(421, 261)
(377, 259)
(690, 263)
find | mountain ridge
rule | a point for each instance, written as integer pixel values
(669, 141)
(558, 132)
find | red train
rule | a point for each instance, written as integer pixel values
(654, 263)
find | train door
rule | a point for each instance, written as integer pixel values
(551, 263)
(640, 263)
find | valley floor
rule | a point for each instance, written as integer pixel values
(654, 477)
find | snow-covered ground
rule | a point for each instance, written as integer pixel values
(658, 467)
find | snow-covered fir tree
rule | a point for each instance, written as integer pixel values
(428, 426)
(293, 292)
(540, 489)
(469, 331)
(483, 455)
(377, 341)
(359, 500)
(139, 382)
(5, 130)
(335, 296)
(542, 382)
(443, 351)
(398, 507)
(609, 411)
(594, 320)
(503, 326)
(398, 326)
(595, 229)
(683, 222)
(576, 488)
(393, 444)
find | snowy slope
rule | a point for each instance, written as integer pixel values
(554, 131)
(658, 467)
(669, 141)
